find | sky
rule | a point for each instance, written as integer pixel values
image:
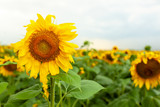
(128, 24)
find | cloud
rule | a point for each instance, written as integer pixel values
(111, 22)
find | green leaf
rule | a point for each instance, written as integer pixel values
(7, 63)
(71, 78)
(134, 94)
(103, 80)
(88, 89)
(123, 103)
(22, 96)
(151, 101)
(75, 69)
(3, 86)
(153, 92)
(130, 99)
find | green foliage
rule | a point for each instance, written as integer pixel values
(151, 101)
(147, 48)
(23, 96)
(86, 44)
(71, 78)
(101, 85)
(3, 86)
(88, 89)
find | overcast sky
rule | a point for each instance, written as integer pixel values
(126, 23)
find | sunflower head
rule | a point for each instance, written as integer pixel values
(109, 57)
(115, 48)
(9, 70)
(45, 48)
(81, 71)
(127, 54)
(146, 70)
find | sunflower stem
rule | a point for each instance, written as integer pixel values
(75, 102)
(144, 90)
(52, 92)
(60, 93)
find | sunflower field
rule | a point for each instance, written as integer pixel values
(45, 70)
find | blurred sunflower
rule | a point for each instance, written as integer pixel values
(109, 57)
(115, 48)
(81, 71)
(82, 52)
(128, 54)
(146, 70)
(8, 70)
(44, 48)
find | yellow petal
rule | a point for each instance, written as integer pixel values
(72, 45)
(53, 68)
(23, 51)
(147, 84)
(43, 75)
(64, 61)
(141, 84)
(48, 18)
(145, 60)
(40, 22)
(35, 69)
(66, 49)
(64, 68)
(67, 36)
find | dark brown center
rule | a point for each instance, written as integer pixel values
(149, 70)
(126, 52)
(95, 57)
(109, 57)
(44, 46)
(11, 67)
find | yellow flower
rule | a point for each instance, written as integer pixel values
(82, 71)
(82, 52)
(44, 48)
(93, 64)
(109, 57)
(115, 48)
(95, 55)
(146, 70)
(128, 54)
(8, 70)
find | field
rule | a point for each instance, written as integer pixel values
(99, 78)
(45, 70)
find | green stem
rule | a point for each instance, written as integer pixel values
(75, 102)
(52, 92)
(143, 91)
(46, 99)
(69, 102)
(87, 102)
(60, 93)
(61, 100)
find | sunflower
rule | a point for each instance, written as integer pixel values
(44, 48)
(95, 55)
(109, 57)
(115, 48)
(8, 70)
(128, 54)
(82, 52)
(81, 71)
(146, 70)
